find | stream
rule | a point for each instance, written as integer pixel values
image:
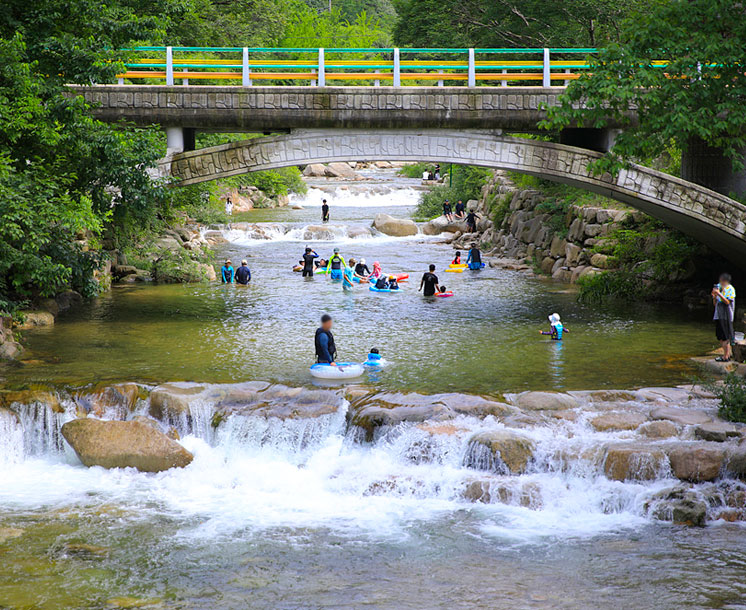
(299, 511)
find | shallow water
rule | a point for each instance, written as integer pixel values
(297, 514)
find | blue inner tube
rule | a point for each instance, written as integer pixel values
(374, 289)
(475, 266)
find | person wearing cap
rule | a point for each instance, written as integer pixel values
(347, 275)
(243, 274)
(447, 211)
(227, 272)
(335, 265)
(556, 329)
(361, 270)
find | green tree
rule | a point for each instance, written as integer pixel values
(700, 94)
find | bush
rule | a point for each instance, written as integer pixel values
(415, 170)
(500, 207)
(466, 184)
(732, 395)
(608, 285)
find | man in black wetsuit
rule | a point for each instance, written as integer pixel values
(324, 211)
(447, 211)
(361, 270)
(326, 351)
(243, 274)
(429, 282)
(460, 208)
(308, 260)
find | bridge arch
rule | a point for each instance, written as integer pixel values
(711, 218)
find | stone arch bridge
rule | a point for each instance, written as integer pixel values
(709, 217)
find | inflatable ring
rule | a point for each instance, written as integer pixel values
(444, 294)
(456, 270)
(458, 265)
(343, 370)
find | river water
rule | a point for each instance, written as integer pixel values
(298, 513)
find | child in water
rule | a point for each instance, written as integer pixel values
(457, 259)
(393, 283)
(374, 358)
(557, 329)
(443, 292)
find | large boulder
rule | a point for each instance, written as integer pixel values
(679, 504)
(314, 170)
(634, 462)
(397, 227)
(124, 444)
(658, 429)
(341, 170)
(545, 401)
(717, 431)
(696, 462)
(504, 451)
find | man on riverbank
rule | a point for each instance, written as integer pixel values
(243, 274)
(326, 351)
(724, 299)
(227, 273)
(324, 211)
(429, 282)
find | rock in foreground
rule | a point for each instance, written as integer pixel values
(122, 444)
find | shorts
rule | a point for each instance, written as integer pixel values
(724, 330)
(307, 273)
(336, 274)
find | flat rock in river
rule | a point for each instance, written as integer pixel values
(123, 444)
(545, 401)
(684, 417)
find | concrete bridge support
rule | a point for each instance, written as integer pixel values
(599, 140)
(179, 139)
(709, 167)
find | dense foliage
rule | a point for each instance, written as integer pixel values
(732, 395)
(513, 24)
(700, 95)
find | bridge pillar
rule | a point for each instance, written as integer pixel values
(708, 166)
(174, 140)
(600, 140)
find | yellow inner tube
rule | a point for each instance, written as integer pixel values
(458, 266)
(455, 269)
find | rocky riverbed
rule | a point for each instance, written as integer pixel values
(673, 457)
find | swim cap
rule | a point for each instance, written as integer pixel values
(554, 319)
(336, 250)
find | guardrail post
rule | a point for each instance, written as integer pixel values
(546, 79)
(322, 69)
(504, 83)
(397, 69)
(313, 80)
(120, 80)
(440, 81)
(185, 82)
(245, 74)
(377, 82)
(472, 74)
(567, 71)
(169, 66)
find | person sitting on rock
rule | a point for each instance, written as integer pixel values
(447, 211)
(557, 329)
(227, 273)
(460, 209)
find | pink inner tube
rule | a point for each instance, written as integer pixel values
(444, 294)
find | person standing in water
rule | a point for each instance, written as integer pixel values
(326, 350)
(474, 260)
(243, 274)
(335, 265)
(429, 282)
(324, 211)
(724, 299)
(226, 272)
(309, 258)
(347, 276)
(361, 270)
